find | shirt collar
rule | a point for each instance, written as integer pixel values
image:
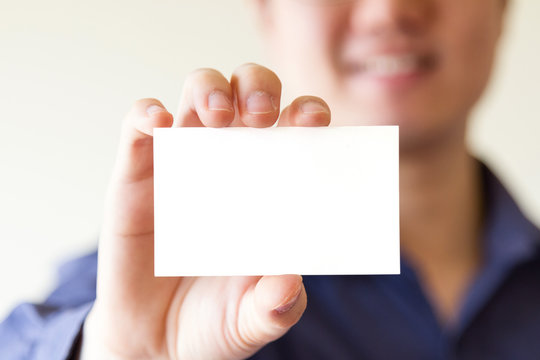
(509, 239)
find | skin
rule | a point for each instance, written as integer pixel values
(138, 316)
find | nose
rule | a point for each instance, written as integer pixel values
(379, 18)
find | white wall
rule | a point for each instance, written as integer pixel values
(69, 71)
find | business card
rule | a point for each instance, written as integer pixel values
(280, 200)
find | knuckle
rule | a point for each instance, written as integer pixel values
(139, 106)
(202, 74)
(311, 111)
(138, 110)
(249, 66)
(309, 98)
(144, 102)
(255, 70)
(238, 342)
(311, 104)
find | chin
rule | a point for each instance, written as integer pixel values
(417, 131)
(426, 135)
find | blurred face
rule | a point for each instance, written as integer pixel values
(421, 64)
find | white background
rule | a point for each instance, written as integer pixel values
(69, 71)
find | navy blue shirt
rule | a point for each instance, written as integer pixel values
(353, 317)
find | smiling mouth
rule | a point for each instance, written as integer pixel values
(392, 66)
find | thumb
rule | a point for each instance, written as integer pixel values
(127, 292)
(129, 207)
(270, 309)
(135, 155)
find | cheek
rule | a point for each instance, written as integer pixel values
(469, 50)
(305, 46)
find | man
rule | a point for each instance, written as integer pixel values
(469, 285)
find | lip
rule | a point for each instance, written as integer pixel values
(390, 67)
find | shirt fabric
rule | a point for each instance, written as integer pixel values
(352, 317)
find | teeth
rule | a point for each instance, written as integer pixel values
(391, 65)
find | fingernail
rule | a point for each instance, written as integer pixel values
(260, 102)
(217, 100)
(153, 109)
(313, 107)
(289, 304)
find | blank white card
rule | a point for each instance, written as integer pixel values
(294, 200)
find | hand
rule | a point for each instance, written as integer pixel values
(139, 316)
